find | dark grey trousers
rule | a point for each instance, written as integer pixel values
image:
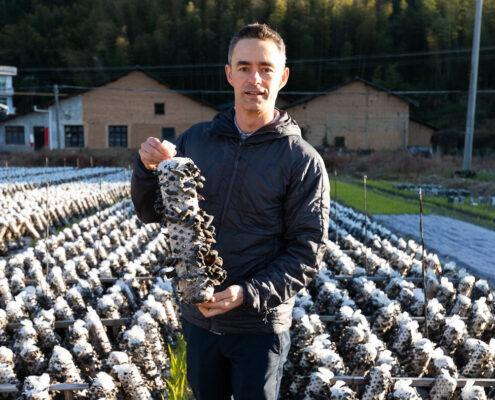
(245, 367)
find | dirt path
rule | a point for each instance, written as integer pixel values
(470, 246)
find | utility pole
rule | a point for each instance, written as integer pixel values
(57, 118)
(473, 87)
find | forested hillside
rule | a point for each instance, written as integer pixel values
(401, 44)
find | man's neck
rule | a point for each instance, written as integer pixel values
(251, 122)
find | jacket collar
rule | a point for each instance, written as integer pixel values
(223, 124)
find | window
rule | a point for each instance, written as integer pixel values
(117, 136)
(3, 82)
(168, 134)
(159, 108)
(14, 135)
(74, 135)
(339, 141)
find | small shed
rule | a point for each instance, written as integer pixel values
(113, 116)
(420, 132)
(357, 115)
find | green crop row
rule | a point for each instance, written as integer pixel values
(352, 195)
(384, 198)
(479, 211)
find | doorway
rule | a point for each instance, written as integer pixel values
(39, 137)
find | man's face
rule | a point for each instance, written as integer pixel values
(256, 73)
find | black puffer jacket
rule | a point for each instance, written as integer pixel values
(269, 196)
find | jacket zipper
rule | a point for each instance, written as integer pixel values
(231, 184)
(212, 320)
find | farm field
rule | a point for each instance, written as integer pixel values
(384, 198)
(88, 304)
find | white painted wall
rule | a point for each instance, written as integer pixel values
(70, 113)
(29, 121)
(7, 89)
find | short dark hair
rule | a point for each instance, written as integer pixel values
(257, 31)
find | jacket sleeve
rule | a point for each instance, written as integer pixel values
(144, 187)
(144, 192)
(306, 218)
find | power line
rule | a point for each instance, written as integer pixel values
(289, 62)
(390, 55)
(37, 93)
(298, 93)
(202, 91)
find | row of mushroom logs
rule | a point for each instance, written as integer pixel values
(361, 321)
(88, 254)
(20, 179)
(30, 212)
(53, 332)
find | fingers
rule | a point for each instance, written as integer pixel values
(234, 292)
(207, 313)
(152, 153)
(222, 302)
(211, 309)
(221, 296)
(210, 313)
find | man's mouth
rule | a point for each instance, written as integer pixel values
(254, 92)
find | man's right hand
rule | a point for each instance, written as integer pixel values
(153, 152)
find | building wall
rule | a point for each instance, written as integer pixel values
(101, 108)
(366, 117)
(6, 87)
(419, 134)
(70, 113)
(29, 121)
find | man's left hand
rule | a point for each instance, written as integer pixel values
(222, 302)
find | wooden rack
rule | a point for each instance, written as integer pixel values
(70, 388)
(418, 382)
(66, 323)
(333, 318)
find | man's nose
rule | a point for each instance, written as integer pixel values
(255, 77)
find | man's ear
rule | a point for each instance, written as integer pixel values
(284, 78)
(228, 73)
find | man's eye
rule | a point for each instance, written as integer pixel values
(243, 69)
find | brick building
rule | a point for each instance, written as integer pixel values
(120, 113)
(358, 115)
(420, 133)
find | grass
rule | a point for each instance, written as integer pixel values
(481, 211)
(485, 176)
(352, 195)
(383, 198)
(402, 166)
(177, 387)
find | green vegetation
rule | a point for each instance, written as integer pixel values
(352, 195)
(383, 198)
(433, 201)
(485, 176)
(177, 387)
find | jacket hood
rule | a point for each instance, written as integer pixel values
(223, 124)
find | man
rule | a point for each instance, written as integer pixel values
(269, 194)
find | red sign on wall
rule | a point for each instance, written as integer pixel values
(47, 137)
